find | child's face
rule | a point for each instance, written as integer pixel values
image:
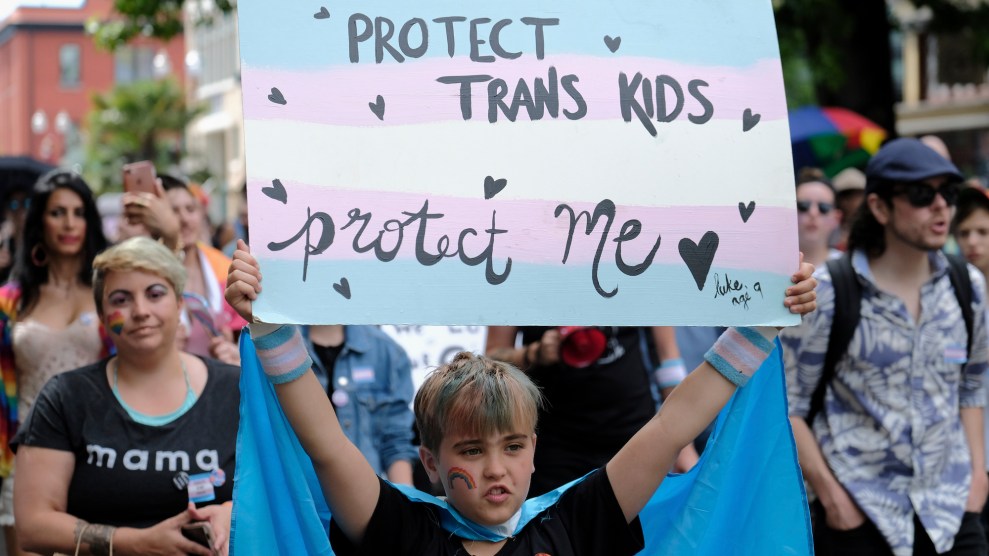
(485, 479)
(973, 237)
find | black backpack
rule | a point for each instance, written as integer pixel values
(847, 311)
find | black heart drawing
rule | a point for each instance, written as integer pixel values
(378, 107)
(749, 120)
(493, 187)
(746, 211)
(343, 288)
(612, 43)
(276, 96)
(699, 257)
(323, 13)
(276, 191)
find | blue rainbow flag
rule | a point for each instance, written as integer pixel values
(745, 496)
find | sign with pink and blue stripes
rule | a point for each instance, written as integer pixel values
(517, 162)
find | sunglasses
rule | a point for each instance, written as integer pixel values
(823, 208)
(920, 194)
(15, 205)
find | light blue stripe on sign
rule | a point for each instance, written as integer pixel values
(433, 294)
(703, 32)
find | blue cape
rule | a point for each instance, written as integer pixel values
(745, 496)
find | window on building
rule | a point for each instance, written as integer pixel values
(217, 46)
(955, 62)
(133, 63)
(70, 66)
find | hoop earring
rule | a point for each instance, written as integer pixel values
(39, 256)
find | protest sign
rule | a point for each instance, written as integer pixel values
(431, 346)
(555, 162)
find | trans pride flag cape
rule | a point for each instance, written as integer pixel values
(744, 497)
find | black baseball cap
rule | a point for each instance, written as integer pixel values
(907, 160)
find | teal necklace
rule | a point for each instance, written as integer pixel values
(156, 420)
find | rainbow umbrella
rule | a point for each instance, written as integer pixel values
(832, 138)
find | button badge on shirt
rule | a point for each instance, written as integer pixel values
(363, 375)
(201, 488)
(955, 353)
(340, 398)
(217, 477)
(180, 480)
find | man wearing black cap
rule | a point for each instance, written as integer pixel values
(892, 450)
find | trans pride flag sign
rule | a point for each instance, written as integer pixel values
(516, 162)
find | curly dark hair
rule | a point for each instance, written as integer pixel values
(867, 233)
(29, 276)
(970, 200)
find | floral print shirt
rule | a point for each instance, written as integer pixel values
(890, 429)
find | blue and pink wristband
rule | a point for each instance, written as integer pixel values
(740, 351)
(670, 373)
(283, 354)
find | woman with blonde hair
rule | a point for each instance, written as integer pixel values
(116, 456)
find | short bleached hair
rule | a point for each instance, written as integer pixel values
(475, 395)
(141, 254)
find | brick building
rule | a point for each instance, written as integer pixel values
(50, 68)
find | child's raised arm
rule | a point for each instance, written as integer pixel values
(348, 481)
(638, 469)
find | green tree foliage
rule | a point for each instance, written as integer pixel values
(161, 19)
(810, 32)
(837, 52)
(144, 120)
(817, 41)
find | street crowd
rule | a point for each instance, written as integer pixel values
(120, 362)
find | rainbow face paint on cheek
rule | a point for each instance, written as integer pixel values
(462, 474)
(116, 322)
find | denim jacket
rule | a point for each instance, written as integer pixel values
(373, 377)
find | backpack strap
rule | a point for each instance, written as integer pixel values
(962, 282)
(847, 311)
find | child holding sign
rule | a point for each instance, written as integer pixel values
(478, 419)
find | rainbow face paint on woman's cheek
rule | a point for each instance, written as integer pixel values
(116, 322)
(462, 474)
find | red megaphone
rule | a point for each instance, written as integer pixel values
(581, 346)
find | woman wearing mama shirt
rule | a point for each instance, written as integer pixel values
(113, 453)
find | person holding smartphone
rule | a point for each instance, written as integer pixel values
(134, 454)
(146, 210)
(162, 206)
(210, 332)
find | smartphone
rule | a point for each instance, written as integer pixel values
(139, 177)
(199, 532)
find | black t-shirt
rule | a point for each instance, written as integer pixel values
(587, 520)
(328, 357)
(592, 412)
(126, 473)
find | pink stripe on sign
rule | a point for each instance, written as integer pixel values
(340, 95)
(532, 233)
